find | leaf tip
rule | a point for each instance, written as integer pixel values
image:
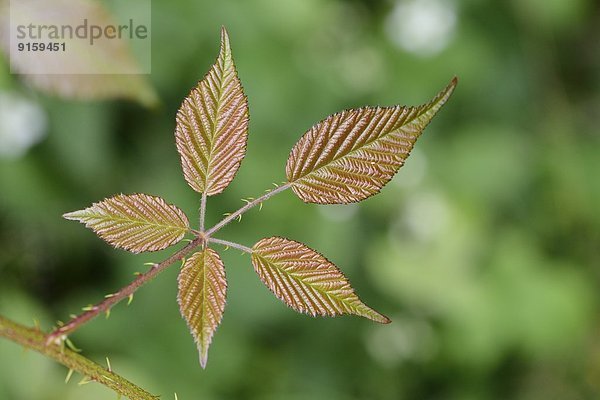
(224, 40)
(452, 85)
(73, 215)
(203, 358)
(374, 316)
(445, 94)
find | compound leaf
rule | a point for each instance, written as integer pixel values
(137, 222)
(212, 126)
(351, 155)
(201, 297)
(306, 281)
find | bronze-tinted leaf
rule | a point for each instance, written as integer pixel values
(212, 126)
(137, 222)
(351, 155)
(201, 297)
(306, 281)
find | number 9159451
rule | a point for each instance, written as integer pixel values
(42, 46)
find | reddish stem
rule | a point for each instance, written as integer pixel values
(60, 333)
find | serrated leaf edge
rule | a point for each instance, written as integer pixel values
(362, 309)
(224, 52)
(203, 343)
(437, 102)
(89, 213)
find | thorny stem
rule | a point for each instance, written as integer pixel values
(59, 334)
(234, 245)
(202, 211)
(33, 338)
(52, 344)
(248, 206)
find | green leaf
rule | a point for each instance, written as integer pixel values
(212, 126)
(96, 87)
(202, 297)
(306, 281)
(351, 155)
(137, 222)
(97, 63)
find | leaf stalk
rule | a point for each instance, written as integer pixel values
(245, 208)
(202, 211)
(233, 245)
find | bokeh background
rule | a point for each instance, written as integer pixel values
(484, 249)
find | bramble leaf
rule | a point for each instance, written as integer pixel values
(212, 126)
(306, 281)
(352, 154)
(106, 70)
(137, 222)
(96, 87)
(201, 297)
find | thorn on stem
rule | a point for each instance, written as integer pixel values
(129, 299)
(69, 375)
(107, 312)
(70, 345)
(84, 381)
(109, 366)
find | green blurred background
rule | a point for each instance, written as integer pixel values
(484, 249)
